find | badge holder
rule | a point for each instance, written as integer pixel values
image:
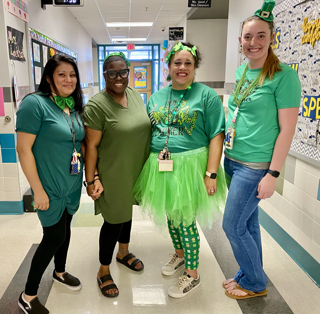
(75, 165)
(230, 137)
(165, 163)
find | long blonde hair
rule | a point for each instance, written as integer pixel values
(272, 63)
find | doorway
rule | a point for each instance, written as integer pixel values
(141, 78)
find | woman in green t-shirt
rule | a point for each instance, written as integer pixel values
(49, 143)
(263, 112)
(182, 182)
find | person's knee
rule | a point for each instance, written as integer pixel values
(55, 240)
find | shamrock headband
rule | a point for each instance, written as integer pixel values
(265, 12)
(178, 47)
(120, 54)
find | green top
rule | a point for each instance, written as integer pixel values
(123, 149)
(52, 150)
(257, 126)
(192, 124)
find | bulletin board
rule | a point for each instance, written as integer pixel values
(297, 43)
(41, 49)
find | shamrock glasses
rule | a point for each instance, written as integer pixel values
(113, 74)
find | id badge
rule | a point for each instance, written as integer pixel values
(75, 163)
(230, 137)
(165, 165)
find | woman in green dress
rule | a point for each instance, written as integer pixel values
(117, 145)
(49, 135)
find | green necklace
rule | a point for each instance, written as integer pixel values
(249, 89)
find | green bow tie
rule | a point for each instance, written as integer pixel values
(62, 102)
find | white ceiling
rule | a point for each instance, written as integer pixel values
(163, 13)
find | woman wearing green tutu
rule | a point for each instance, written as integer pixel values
(182, 181)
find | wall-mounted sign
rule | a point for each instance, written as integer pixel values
(199, 3)
(140, 77)
(175, 33)
(131, 47)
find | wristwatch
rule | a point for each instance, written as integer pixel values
(274, 173)
(211, 175)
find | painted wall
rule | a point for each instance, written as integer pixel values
(60, 25)
(211, 38)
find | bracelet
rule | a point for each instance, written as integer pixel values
(96, 175)
(89, 183)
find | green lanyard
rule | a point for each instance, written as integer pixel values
(249, 89)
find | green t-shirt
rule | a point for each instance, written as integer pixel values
(192, 124)
(257, 126)
(52, 150)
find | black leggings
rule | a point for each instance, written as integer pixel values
(110, 234)
(55, 242)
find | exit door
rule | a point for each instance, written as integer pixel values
(140, 78)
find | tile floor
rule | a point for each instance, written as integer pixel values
(145, 292)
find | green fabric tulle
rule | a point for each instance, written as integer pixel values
(180, 195)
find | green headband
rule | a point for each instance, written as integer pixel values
(178, 47)
(120, 54)
(265, 12)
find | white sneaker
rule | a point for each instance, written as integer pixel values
(183, 286)
(173, 265)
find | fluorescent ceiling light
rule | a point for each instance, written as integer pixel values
(129, 24)
(128, 39)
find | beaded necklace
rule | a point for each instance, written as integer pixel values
(248, 90)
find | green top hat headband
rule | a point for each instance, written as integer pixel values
(178, 47)
(265, 12)
(120, 54)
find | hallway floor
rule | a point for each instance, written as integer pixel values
(290, 290)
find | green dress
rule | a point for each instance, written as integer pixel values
(122, 152)
(52, 150)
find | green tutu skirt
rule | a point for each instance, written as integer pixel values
(181, 194)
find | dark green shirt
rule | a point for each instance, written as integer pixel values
(52, 151)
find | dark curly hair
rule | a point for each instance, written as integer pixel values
(197, 60)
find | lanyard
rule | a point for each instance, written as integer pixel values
(249, 89)
(169, 104)
(72, 130)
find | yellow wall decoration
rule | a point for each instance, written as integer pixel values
(313, 30)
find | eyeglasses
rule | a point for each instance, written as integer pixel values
(113, 74)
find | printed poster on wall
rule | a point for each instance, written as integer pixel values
(44, 55)
(16, 91)
(36, 52)
(140, 77)
(15, 43)
(18, 8)
(37, 75)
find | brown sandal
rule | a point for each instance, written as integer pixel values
(250, 294)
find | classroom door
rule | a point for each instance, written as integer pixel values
(140, 78)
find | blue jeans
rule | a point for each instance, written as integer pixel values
(241, 224)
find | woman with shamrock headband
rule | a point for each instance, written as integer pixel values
(117, 145)
(181, 181)
(263, 112)
(49, 143)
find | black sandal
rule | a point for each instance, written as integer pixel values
(107, 287)
(124, 261)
